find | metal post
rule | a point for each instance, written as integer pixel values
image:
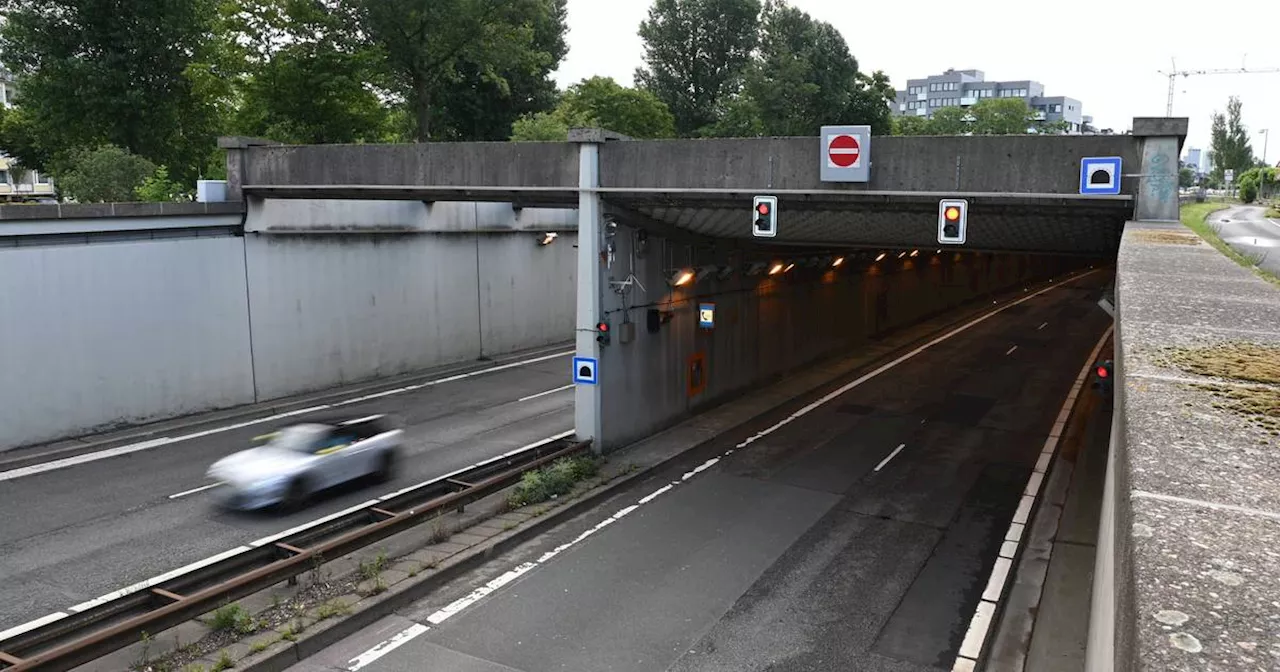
(590, 221)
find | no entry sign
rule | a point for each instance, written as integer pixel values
(845, 153)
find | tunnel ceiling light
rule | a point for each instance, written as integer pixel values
(776, 269)
(881, 257)
(548, 238)
(837, 262)
(915, 252)
(705, 271)
(681, 277)
(902, 254)
(757, 268)
(788, 268)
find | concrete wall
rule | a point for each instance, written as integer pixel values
(112, 327)
(114, 333)
(1028, 164)
(767, 326)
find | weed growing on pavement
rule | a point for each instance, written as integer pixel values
(224, 662)
(234, 618)
(439, 531)
(372, 569)
(554, 480)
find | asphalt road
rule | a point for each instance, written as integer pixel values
(1247, 229)
(70, 535)
(859, 537)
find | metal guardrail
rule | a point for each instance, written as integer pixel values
(85, 636)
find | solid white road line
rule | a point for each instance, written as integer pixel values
(891, 456)
(255, 544)
(543, 394)
(480, 593)
(980, 624)
(193, 491)
(386, 647)
(155, 443)
(1010, 352)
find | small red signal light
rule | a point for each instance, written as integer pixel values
(763, 208)
(1103, 372)
(602, 327)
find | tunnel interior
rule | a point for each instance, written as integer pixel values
(694, 320)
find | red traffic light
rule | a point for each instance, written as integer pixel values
(952, 213)
(1103, 371)
(763, 208)
(602, 327)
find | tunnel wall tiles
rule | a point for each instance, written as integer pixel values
(104, 334)
(766, 327)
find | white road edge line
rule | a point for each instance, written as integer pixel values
(162, 441)
(142, 585)
(459, 605)
(543, 394)
(892, 455)
(193, 491)
(983, 616)
(386, 647)
(1010, 352)
(1273, 222)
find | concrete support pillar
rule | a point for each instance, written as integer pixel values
(1161, 139)
(586, 415)
(237, 146)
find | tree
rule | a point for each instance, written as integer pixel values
(695, 52)
(805, 77)
(478, 107)
(309, 81)
(1230, 141)
(106, 174)
(1186, 178)
(91, 71)
(949, 121)
(1001, 116)
(600, 101)
(159, 188)
(427, 42)
(911, 125)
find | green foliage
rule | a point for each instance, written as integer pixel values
(233, 618)
(319, 85)
(1254, 182)
(224, 662)
(599, 101)
(990, 116)
(553, 480)
(911, 125)
(695, 52)
(93, 72)
(1186, 178)
(429, 45)
(540, 127)
(1230, 141)
(159, 188)
(107, 174)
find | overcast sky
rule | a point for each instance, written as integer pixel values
(1065, 49)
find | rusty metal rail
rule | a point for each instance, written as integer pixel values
(90, 634)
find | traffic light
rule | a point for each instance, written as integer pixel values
(764, 216)
(952, 217)
(602, 333)
(1102, 376)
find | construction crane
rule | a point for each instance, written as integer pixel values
(1175, 72)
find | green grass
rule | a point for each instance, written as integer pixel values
(1193, 216)
(235, 618)
(554, 480)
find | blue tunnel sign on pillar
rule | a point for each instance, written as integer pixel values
(584, 371)
(1100, 175)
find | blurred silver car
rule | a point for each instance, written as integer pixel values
(298, 461)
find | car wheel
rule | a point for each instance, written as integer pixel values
(386, 467)
(297, 495)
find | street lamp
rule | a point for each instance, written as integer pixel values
(1266, 135)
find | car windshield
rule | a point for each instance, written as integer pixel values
(299, 438)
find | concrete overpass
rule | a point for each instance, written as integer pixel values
(664, 231)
